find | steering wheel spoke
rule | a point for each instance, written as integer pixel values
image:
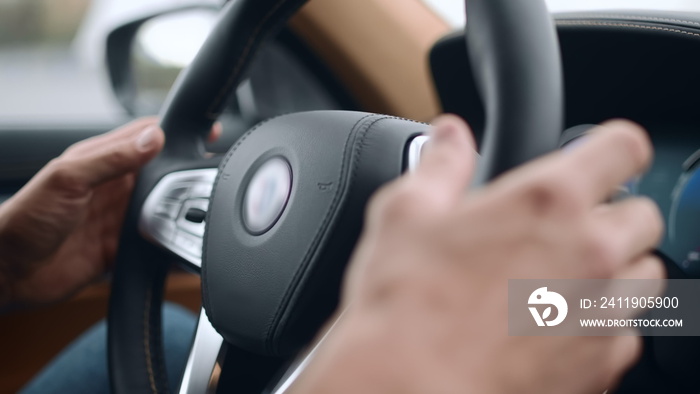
(302, 361)
(205, 359)
(173, 215)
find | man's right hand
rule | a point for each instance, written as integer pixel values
(426, 292)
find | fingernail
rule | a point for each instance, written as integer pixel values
(574, 143)
(146, 139)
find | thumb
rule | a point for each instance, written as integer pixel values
(111, 155)
(448, 162)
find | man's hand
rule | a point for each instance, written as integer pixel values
(426, 292)
(60, 232)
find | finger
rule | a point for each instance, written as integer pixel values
(121, 156)
(216, 130)
(641, 279)
(608, 158)
(646, 267)
(132, 128)
(447, 164)
(632, 227)
(127, 131)
(623, 352)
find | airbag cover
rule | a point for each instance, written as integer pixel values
(268, 292)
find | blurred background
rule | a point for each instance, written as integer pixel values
(52, 52)
(39, 74)
(52, 58)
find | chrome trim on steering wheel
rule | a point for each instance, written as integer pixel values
(207, 350)
(163, 216)
(413, 153)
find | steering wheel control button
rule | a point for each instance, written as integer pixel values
(192, 226)
(173, 214)
(195, 215)
(267, 195)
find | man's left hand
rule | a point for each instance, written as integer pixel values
(60, 231)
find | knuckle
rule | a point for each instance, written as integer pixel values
(117, 158)
(394, 202)
(635, 144)
(552, 192)
(62, 174)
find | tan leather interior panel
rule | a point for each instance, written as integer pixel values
(379, 50)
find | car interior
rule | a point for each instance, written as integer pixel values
(327, 101)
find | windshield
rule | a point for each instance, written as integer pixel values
(453, 10)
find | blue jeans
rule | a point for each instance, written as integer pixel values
(82, 366)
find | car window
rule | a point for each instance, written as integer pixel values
(453, 10)
(42, 78)
(53, 69)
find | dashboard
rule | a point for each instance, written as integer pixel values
(637, 65)
(674, 183)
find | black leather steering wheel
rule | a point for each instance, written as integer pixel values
(287, 201)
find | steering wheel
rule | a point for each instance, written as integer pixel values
(271, 225)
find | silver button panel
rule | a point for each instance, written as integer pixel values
(163, 215)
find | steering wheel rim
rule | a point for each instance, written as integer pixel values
(514, 53)
(515, 57)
